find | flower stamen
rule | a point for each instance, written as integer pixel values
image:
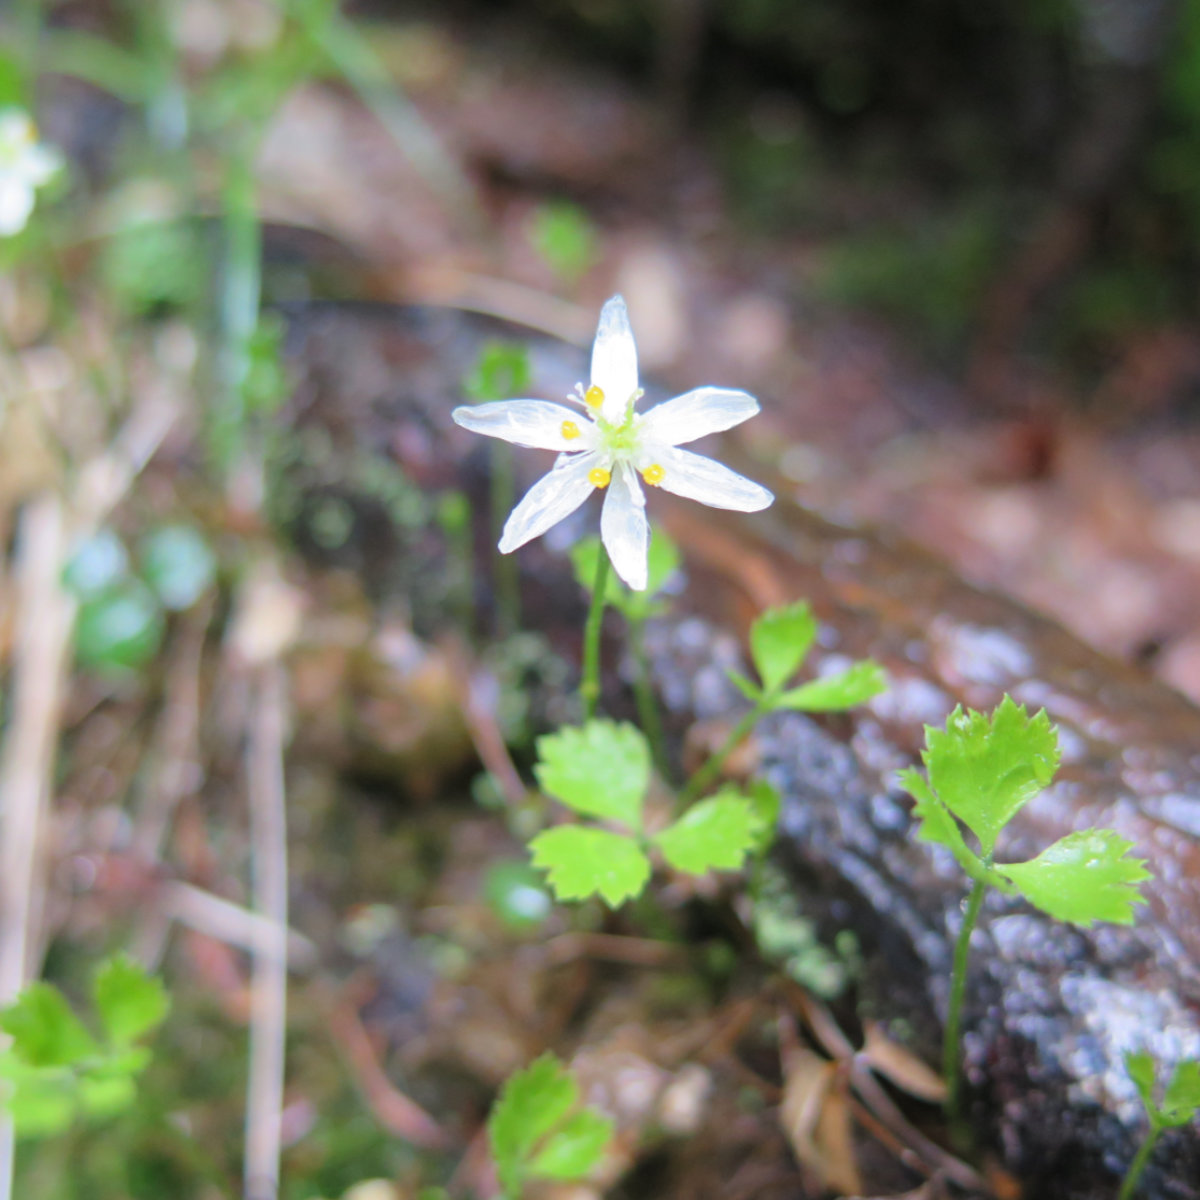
(594, 396)
(599, 477)
(570, 430)
(654, 474)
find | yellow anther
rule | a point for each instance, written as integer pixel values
(599, 477)
(594, 396)
(570, 430)
(654, 474)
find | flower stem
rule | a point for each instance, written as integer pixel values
(643, 694)
(704, 777)
(1140, 1159)
(951, 1050)
(589, 688)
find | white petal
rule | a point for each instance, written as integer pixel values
(705, 479)
(16, 128)
(39, 164)
(535, 423)
(697, 413)
(614, 360)
(554, 496)
(623, 527)
(16, 203)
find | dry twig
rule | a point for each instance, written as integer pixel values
(45, 615)
(268, 1004)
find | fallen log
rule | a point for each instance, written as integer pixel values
(1052, 1009)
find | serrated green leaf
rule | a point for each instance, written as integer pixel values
(779, 640)
(714, 835)
(530, 1104)
(129, 1001)
(747, 687)
(766, 803)
(1140, 1066)
(986, 769)
(45, 1032)
(583, 862)
(572, 1151)
(936, 823)
(832, 693)
(1182, 1097)
(601, 769)
(1083, 878)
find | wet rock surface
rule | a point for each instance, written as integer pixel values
(1052, 1009)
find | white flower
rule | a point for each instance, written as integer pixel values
(25, 164)
(613, 444)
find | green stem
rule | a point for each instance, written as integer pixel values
(589, 688)
(1130, 1182)
(951, 1050)
(707, 774)
(241, 295)
(643, 694)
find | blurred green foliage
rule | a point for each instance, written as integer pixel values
(122, 604)
(565, 237)
(56, 1070)
(929, 277)
(501, 372)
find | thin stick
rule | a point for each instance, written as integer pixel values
(268, 1002)
(589, 689)
(44, 621)
(951, 1050)
(218, 918)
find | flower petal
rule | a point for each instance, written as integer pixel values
(16, 203)
(697, 413)
(39, 164)
(614, 360)
(704, 479)
(535, 423)
(556, 495)
(623, 527)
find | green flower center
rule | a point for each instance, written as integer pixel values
(620, 440)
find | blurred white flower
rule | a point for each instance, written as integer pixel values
(25, 165)
(610, 444)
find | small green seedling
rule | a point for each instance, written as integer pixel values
(55, 1069)
(538, 1130)
(602, 770)
(780, 640)
(1179, 1104)
(981, 772)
